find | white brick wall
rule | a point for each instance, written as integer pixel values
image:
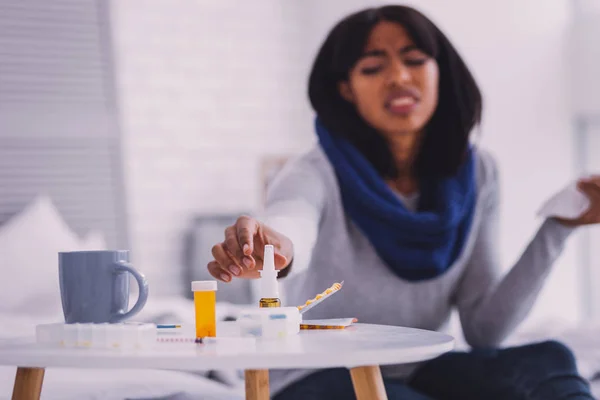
(207, 88)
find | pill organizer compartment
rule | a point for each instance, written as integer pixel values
(124, 336)
(270, 323)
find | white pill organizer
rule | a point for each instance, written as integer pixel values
(124, 336)
(271, 323)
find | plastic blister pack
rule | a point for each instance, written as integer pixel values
(321, 297)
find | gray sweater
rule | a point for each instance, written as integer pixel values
(304, 203)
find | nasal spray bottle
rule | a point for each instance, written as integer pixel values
(269, 288)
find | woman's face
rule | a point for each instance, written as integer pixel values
(394, 85)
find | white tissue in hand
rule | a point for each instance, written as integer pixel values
(568, 203)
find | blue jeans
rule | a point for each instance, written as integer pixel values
(541, 371)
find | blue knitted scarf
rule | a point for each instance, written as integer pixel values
(415, 245)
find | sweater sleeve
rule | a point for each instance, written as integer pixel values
(490, 305)
(294, 204)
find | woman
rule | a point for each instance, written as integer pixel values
(396, 202)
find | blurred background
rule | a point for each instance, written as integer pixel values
(141, 120)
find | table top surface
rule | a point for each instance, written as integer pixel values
(357, 345)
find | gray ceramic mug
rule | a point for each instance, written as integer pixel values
(94, 286)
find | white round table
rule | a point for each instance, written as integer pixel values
(361, 347)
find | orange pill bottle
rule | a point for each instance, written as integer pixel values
(205, 304)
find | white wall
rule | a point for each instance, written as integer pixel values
(585, 55)
(204, 93)
(590, 251)
(207, 86)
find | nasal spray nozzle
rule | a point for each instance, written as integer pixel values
(269, 287)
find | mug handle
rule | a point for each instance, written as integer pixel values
(122, 266)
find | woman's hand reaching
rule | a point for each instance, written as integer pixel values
(241, 253)
(591, 188)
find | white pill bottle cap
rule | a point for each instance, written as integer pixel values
(204, 286)
(269, 287)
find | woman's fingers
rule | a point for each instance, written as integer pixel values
(226, 262)
(214, 268)
(280, 261)
(246, 228)
(241, 253)
(232, 245)
(591, 188)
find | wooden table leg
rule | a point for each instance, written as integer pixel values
(368, 383)
(257, 384)
(28, 383)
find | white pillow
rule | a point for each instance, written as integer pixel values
(29, 246)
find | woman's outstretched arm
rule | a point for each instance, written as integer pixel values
(490, 305)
